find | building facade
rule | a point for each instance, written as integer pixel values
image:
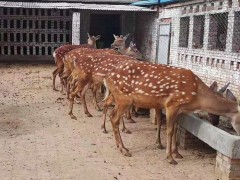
(32, 30)
(204, 37)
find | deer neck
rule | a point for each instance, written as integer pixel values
(92, 43)
(214, 103)
(123, 50)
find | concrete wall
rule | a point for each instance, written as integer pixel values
(208, 62)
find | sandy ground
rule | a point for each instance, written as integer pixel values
(38, 140)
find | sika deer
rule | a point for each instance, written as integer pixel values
(120, 44)
(59, 53)
(213, 117)
(158, 86)
(70, 72)
(91, 69)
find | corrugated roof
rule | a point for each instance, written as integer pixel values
(81, 6)
(154, 2)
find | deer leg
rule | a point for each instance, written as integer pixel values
(171, 116)
(124, 129)
(174, 142)
(55, 72)
(129, 117)
(84, 100)
(71, 99)
(107, 103)
(94, 92)
(159, 123)
(116, 116)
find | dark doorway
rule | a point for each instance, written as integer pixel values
(105, 25)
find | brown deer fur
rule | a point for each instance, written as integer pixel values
(157, 86)
(59, 53)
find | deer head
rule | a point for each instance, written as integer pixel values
(214, 86)
(93, 39)
(133, 51)
(119, 41)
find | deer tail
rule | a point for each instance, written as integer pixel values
(107, 92)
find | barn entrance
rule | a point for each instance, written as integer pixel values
(105, 25)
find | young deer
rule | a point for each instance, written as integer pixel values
(59, 53)
(158, 86)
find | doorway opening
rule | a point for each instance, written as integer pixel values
(105, 25)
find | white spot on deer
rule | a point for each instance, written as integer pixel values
(132, 82)
(146, 75)
(147, 80)
(183, 93)
(184, 82)
(194, 93)
(146, 94)
(167, 87)
(118, 76)
(194, 84)
(176, 90)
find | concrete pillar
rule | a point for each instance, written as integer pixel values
(227, 168)
(190, 39)
(206, 32)
(76, 28)
(230, 32)
(153, 116)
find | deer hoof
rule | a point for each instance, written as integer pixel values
(88, 114)
(132, 121)
(160, 146)
(105, 131)
(125, 152)
(55, 89)
(173, 162)
(126, 131)
(73, 117)
(179, 156)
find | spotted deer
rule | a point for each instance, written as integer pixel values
(120, 44)
(214, 119)
(59, 53)
(158, 86)
(91, 69)
(71, 73)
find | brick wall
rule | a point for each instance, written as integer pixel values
(210, 64)
(146, 34)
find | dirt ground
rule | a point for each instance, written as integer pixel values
(38, 139)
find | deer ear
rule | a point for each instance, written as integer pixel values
(97, 37)
(131, 44)
(230, 96)
(126, 36)
(115, 37)
(214, 86)
(88, 35)
(223, 89)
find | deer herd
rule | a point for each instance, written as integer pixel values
(129, 82)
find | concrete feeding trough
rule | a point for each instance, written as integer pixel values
(227, 145)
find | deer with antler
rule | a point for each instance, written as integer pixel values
(158, 86)
(59, 53)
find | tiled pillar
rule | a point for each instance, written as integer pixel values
(76, 28)
(227, 168)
